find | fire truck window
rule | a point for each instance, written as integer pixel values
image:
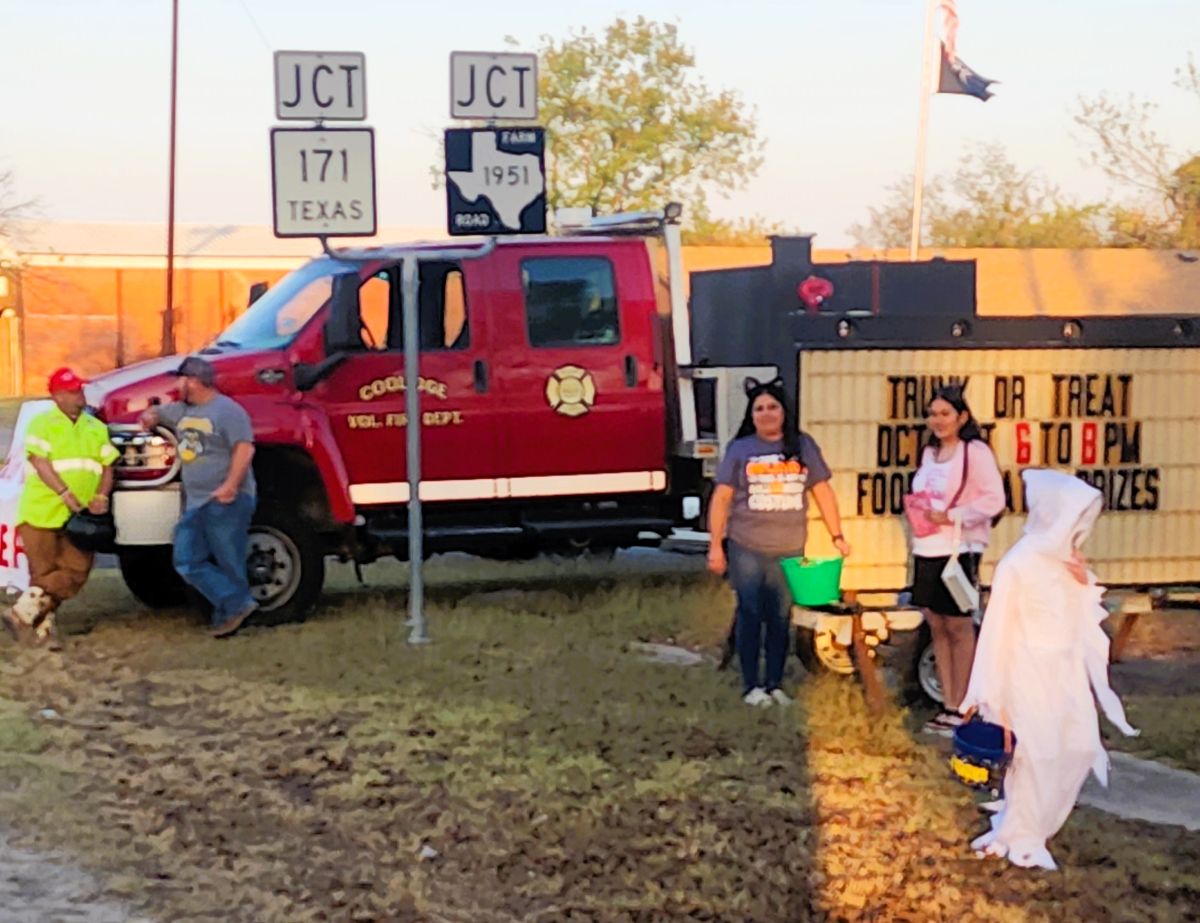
(374, 303)
(570, 301)
(443, 307)
(454, 318)
(295, 312)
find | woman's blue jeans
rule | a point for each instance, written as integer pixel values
(763, 607)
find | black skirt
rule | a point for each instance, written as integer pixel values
(929, 591)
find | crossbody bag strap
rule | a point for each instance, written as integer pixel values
(956, 540)
(966, 469)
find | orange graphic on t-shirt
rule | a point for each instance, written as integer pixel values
(774, 468)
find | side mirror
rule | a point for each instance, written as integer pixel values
(257, 290)
(343, 327)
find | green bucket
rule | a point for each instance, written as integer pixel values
(813, 581)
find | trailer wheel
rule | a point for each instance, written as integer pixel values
(819, 651)
(150, 575)
(922, 678)
(285, 566)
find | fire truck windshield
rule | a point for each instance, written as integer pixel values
(274, 320)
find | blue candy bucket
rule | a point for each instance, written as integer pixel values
(979, 759)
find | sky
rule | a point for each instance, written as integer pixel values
(835, 86)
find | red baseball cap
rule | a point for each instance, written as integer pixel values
(65, 380)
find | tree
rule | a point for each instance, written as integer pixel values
(10, 209)
(630, 127)
(1126, 146)
(702, 229)
(987, 202)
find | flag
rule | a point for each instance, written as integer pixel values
(954, 75)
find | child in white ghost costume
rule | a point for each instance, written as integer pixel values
(1041, 666)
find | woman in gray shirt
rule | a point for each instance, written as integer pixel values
(760, 504)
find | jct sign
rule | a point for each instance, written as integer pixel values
(320, 85)
(484, 85)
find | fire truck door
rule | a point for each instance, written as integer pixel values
(575, 363)
(365, 395)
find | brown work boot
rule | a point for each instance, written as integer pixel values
(20, 632)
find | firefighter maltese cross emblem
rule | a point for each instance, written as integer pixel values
(571, 391)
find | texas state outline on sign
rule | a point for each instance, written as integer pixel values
(508, 201)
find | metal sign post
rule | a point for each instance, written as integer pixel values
(410, 293)
(409, 288)
(505, 175)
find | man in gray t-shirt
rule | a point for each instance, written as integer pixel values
(216, 447)
(208, 435)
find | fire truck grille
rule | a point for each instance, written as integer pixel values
(146, 459)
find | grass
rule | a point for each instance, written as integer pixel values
(1160, 684)
(525, 766)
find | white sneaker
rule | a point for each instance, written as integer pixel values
(757, 697)
(781, 697)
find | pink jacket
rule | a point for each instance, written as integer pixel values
(981, 499)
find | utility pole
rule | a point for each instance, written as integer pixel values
(168, 331)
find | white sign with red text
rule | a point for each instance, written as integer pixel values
(14, 568)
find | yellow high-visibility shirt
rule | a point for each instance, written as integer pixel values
(79, 452)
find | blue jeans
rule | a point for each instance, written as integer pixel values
(211, 545)
(763, 606)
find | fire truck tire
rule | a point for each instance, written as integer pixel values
(150, 576)
(286, 566)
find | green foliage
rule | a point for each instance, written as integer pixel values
(1124, 144)
(988, 202)
(702, 229)
(630, 126)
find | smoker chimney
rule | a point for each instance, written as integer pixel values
(793, 253)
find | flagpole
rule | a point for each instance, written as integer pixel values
(927, 56)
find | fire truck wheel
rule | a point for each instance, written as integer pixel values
(286, 566)
(150, 576)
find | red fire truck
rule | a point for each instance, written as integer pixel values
(555, 413)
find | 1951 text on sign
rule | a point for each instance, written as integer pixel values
(321, 85)
(323, 181)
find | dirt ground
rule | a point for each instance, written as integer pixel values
(525, 766)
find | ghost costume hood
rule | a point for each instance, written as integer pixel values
(1040, 667)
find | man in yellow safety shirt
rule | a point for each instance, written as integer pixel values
(69, 469)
